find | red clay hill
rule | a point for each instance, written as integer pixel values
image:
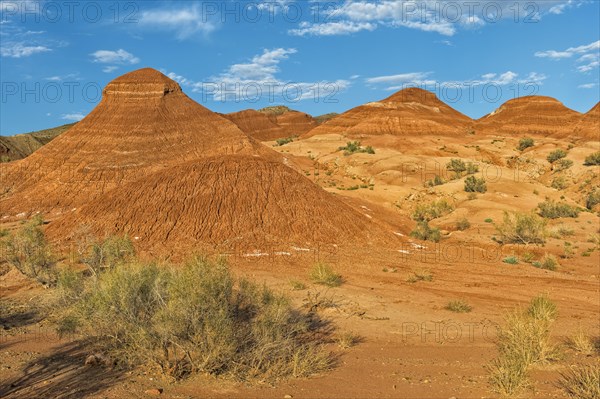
(272, 123)
(408, 112)
(150, 162)
(531, 115)
(589, 124)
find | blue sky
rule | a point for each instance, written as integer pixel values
(316, 57)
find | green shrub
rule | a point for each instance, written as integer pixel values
(197, 320)
(458, 307)
(107, 254)
(489, 220)
(593, 199)
(353, 147)
(559, 183)
(522, 228)
(475, 185)
(321, 273)
(426, 233)
(550, 209)
(463, 224)
(29, 252)
(549, 262)
(511, 260)
(436, 181)
(556, 155)
(563, 164)
(593, 159)
(433, 210)
(457, 166)
(472, 168)
(284, 141)
(525, 143)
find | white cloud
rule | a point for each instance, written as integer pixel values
(259, 78)
(109, 69)
(114, 57)
(401, 78)
(560, 8)
(73, 117)
(588, 86)
(568, 53)
(60, 78)
(590, 55)
(21, 49)
(332, 28)
(424, 80)
(185, 22)
(439, 16)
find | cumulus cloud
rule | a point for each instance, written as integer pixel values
(439, 16)
(21, 49)
(184, 22)
(589, 55)
(114, 57)
(332, 28)
(259, 77)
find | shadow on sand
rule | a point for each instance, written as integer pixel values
(61, 374)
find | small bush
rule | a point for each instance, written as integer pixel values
(524, 340)
(472, 168)
(433, 210)
(197, 320)
(550, 209)
(593, 199)
(421, 275)
(488, 220)
(563, 164)
(568, 251)
(426, 233)
(29, 252)
(525, 143)
(522, 228)
(457, 166)
(436, 181)
(549, 262)
(581, 343)
(542, 308)
(527, 257)
(475, 185)
(508, 375)
(106, 254)
(556, 155)
(458, 307)
(284, 141)
(321, 273)
(582, 382)
(593, 159)
(511, 260)
(348, 339)
(463, 224)
(353, 147)
(559, 183)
